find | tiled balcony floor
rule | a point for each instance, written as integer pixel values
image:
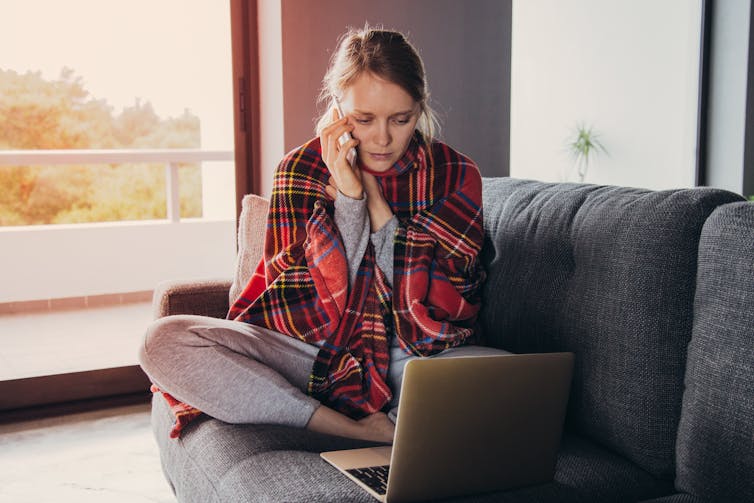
(71, 340)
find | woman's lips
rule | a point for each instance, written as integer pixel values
(380, 157)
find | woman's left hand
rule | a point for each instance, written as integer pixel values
(379, 211)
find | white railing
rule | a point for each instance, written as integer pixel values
(116, 257)
(172, 158)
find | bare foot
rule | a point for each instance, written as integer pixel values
(378, 427)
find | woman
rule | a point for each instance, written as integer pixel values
(365, 266)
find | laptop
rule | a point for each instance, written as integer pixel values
(468, 425)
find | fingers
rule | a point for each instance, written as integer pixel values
(332, 188)
(332, 183)
(338, 157)
(332, 192)
(352, 143)
(341, 166)
(329, 139)
(337, 123)
(339, 132)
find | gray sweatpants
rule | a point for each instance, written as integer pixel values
(240, 373)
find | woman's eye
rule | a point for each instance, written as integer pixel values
(400, 122)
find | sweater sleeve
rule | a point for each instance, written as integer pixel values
(352, 219)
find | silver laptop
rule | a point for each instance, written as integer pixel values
(468, 425)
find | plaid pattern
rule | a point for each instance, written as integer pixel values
(183, 413)
(301, 288)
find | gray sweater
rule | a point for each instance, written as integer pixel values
(352, 219)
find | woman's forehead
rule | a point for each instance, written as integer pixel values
(374, 95)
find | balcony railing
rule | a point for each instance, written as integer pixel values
(171, 158)
(90, 259)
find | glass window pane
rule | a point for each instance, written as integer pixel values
(128, 108)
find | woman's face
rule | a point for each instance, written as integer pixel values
(384, 118)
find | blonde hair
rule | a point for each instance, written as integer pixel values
(386, 54)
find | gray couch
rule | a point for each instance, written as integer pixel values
(653, 291)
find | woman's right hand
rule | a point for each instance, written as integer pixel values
(345, 178)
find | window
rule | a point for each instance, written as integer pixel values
(97, 228)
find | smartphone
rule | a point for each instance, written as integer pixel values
(345, 137)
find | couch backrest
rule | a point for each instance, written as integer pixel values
(716, 433)
(609, 273)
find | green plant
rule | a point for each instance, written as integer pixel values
(583, 145)
(751, 198)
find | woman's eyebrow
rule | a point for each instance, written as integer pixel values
(370, 114)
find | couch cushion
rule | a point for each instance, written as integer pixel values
(609, 273)
(716, 432)
(585, 473)
(252, 226)
(676, 498)
(218, 462)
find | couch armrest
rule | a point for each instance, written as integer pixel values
(202, 297)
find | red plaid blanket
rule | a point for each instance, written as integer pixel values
(436, 194)
(301, 287)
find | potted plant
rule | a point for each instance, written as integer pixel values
(583, 145)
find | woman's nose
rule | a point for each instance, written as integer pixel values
(383, 138)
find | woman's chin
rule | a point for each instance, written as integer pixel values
(377, 166)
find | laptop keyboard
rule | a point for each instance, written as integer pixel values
(373, 476)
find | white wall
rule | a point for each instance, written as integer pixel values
(627, 68)
(56, 261)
